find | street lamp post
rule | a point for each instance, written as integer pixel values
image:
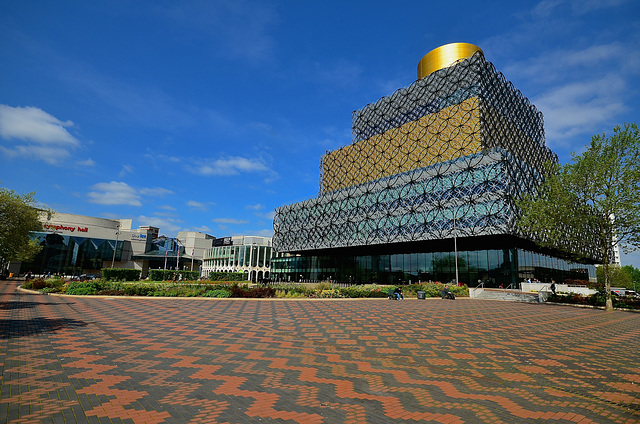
(165, 257)
(178, 243)
(455, 246)
(115, 247)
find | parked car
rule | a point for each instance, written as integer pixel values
(621, 291)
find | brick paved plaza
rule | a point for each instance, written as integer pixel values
(152, 360)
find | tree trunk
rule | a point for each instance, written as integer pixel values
(608, 304)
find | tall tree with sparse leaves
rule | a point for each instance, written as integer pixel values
(592, 202)
(18, 217)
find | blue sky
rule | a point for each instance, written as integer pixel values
(207, 115)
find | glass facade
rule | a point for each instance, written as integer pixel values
(253, 259)
(71, 255)
(238, 256)
(492, 267)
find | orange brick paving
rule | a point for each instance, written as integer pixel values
(157, 360)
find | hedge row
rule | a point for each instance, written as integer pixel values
(227, 276)
(112, 288)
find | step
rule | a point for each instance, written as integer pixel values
(503, 294)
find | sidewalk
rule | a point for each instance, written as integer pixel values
(159, 360)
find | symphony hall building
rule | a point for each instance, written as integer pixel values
(427, 188)
(73, 245)
(76, 244)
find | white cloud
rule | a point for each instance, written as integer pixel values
(120, 193)
(52, 155)
(166, 225)
(114, 193)
(556, 64)
(579, 91)
(34, 125)
(126, 169)
(229, 221)
(202, 229)
(231, 166)
(197, 205)
(584, 6)
(580, 107)
(156, 191)
(545, 8)
(166, 213)
(37, 134)
(255, 207)
(88, 162)
(268, 215)
(267, 232)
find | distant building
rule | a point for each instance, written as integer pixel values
(248, 254)
(77, 244)
(195, 243)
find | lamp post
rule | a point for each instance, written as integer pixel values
(455, 246)
(165, 257)
(178, 243)
(115, 247)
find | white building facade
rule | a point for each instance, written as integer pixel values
(248, 254)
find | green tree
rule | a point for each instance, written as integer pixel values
(634, 273)
(591, 203)
(618, 276)
(18, 218)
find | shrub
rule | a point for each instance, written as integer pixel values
(322, 285)
(626, 303)
(330, 293)
(254, 292)
(363, 291)
(227, 276)
(85, 287)
(49, 290)
(433, 289)
(35, 284)
(289, 294)
(50, 285)
(597, 299)
(137, 289)
(216, 293)
(294, 290)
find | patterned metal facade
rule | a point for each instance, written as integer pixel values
(449, 153)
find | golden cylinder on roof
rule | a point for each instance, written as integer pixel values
(445, 56)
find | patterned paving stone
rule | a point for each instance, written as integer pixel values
(157, 360)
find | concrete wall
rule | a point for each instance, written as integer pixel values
(563, 288)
